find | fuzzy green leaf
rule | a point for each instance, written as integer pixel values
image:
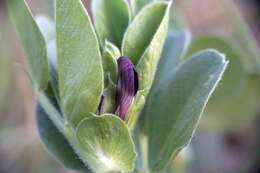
(79, 61)
(109, 58)
(105, 144)
(150, 21)
(175, 48)
(33, 42)
(144, 39)
(110, 55)
(174, 109)
(111, 19)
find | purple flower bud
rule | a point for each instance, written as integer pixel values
(127, 85)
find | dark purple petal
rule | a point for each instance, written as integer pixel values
(127, 85)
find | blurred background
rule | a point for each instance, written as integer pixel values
(228, 138)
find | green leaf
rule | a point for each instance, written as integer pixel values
(137, 5)
(235, 74)
(174, 50)
(79, 61)
(111, 19)
(47, 28)
(106, 144)
(110, 55)
(55, 142)
(150, 23)
(33, 42)
(144, 39)
(174, 109)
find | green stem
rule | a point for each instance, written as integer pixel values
(53, 113)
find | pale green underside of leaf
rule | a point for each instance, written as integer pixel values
(111, 19)
(174, 109)
(105, 144)
(79, 61)
(33, 42)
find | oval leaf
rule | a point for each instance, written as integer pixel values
(33, 42)
(144, 40)
(111, 19)
(79, 61)
(174, 109)
(174, 50)
(106, 144)
(150, 21)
